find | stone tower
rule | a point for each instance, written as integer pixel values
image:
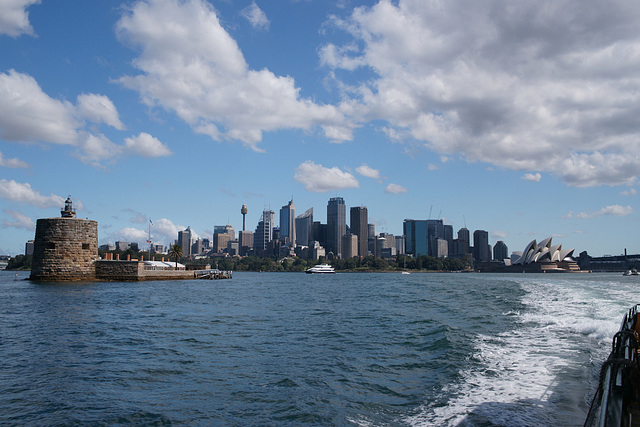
(66, 248)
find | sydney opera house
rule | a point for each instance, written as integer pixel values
(542, 257)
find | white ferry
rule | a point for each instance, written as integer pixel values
(321, 269)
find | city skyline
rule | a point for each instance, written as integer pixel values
(518, 119)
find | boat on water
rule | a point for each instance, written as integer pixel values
(617, 399)
(321, 269)
(632, 272)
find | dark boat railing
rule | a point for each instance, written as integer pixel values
(616, 401)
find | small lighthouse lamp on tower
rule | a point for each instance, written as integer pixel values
(68, 211)
(243, 211)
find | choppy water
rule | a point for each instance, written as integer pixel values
(296, 349)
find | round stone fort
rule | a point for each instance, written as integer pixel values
(65, 248)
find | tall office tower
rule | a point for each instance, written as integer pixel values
(196, 248)
(415, 234)
(245, 240)
(359, 220)
(288, 224)
(320, 233)
(336, 225)
(435, 231)
(481, 246)
(464, 241)
(500, 251)
(304, 228)
(349, 246)
(371, 248)
(442, 248)
(264, 231)
(225, 229)
(185, 241)
(448, 236)
(400, 245)
(220, 242)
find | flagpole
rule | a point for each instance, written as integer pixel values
(149, 241)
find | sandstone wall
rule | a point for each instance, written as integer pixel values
(65, 249)
(116, 270)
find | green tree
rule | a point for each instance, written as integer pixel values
(175, 252)
(19, 262)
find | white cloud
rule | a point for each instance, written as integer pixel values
(99, 109)
(14, 18)
(318, 179)
(131, 234)
(256, 17)
(14, 163)
(27, 114)
(147, 146)
(533, 177)
(23, 193)
(629, 192)
(395, 189)
(368, 171)
(163, 231)
(528, 86)
(499, 235)
(95, 149)
(195, 69)
(612, 210)
(20, 220)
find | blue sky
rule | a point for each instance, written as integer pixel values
(516, 118)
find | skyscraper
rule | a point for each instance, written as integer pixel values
(304, 228)
(264, 231)
(336, 225)
(416, 241)
(435, 231)
(464, 240)
(349, 245)
(245, 242)
(288, 224)
(448, 236)
(500, 251)
(481, 251)
(225, 229)
(185, 240)
(320, 233)
(359, 221)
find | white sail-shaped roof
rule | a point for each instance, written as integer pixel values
(527, 251)
(543, 251)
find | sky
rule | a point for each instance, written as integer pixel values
(518, 118)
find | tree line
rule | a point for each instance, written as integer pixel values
(291, 264)
(368, 263)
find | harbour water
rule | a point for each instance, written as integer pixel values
(293, 349)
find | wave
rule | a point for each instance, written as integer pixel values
(524, 375)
